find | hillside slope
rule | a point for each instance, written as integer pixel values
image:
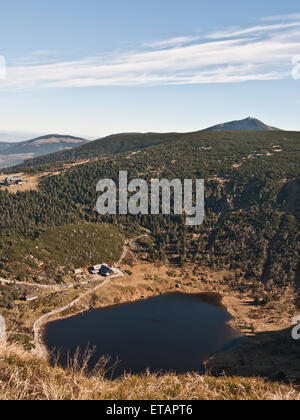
(252, 201)
(4, 146)
(49, 255)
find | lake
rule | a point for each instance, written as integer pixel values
(172, 332)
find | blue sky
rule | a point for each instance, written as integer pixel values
(98, 67)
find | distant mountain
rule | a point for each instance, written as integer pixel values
(242, 125)
(16, 153)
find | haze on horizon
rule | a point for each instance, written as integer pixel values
(99, 68)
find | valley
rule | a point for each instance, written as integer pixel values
(246, 252)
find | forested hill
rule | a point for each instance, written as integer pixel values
(252, 201)
(132, 142)
(118, 144)
(102, 147)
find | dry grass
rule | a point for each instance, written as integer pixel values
(23, 376)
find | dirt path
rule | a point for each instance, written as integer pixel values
(41, 286)
(37, 326)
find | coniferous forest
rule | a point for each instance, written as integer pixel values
(252, 207)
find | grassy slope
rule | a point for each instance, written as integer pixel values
(23, 376)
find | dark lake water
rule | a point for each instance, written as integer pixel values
(173, 332)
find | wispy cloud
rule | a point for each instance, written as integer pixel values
(255, 30)
(173, 42)
(292, 16)
(230, 55)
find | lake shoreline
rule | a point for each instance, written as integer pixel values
(250, 359)
(146, 334)
(209, 297)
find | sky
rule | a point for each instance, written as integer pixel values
(96, 67)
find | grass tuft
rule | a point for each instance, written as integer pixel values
(23, 376)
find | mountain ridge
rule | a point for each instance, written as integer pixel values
(134, 142)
